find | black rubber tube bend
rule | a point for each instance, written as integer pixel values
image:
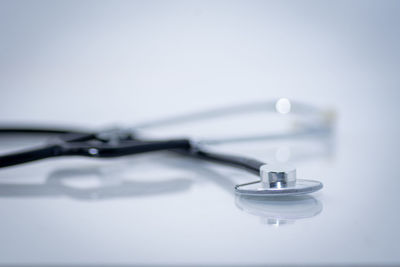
(88, 150)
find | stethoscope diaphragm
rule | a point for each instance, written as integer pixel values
(278, 180)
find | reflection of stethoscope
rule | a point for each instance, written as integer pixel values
(277, 212)
(276, 179)
(109, 181)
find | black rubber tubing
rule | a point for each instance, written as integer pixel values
(74, 145)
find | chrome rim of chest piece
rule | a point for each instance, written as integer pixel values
(278, 180)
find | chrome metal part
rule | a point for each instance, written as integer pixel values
(278, 180)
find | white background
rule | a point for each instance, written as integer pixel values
(98, 63)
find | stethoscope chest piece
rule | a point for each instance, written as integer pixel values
(278, 180)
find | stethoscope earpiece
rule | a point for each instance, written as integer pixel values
(278, 180)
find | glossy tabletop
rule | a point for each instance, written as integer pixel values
(102, 64)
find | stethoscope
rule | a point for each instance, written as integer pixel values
(278, 179)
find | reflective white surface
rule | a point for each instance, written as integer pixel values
(91, 65)
(166, 209)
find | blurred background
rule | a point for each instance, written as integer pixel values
(101, 63)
